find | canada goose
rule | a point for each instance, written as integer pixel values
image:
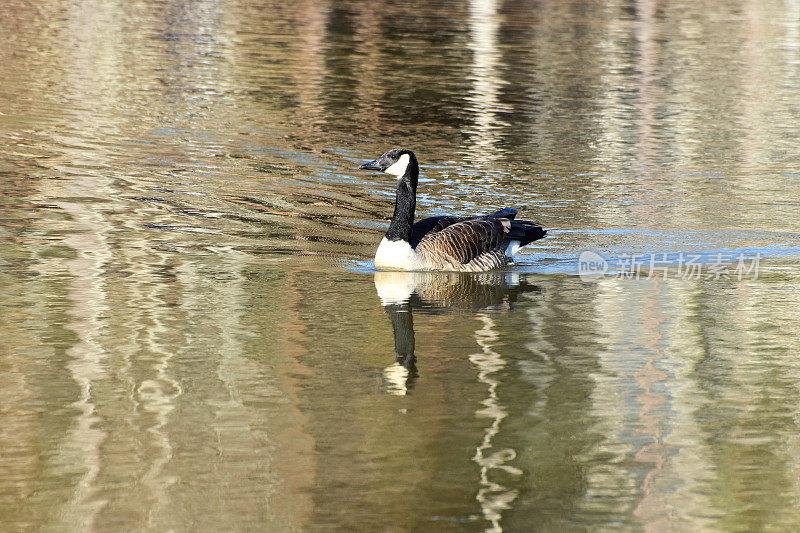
(460, 244)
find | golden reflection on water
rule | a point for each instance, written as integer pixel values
(493, 497)
(670, 418)
(183, 348)
(80, 450)
(484, 97)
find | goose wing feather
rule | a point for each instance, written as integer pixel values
(429, 225)
(466, 240)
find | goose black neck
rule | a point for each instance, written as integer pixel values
(405, 204)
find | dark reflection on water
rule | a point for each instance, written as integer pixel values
(436, 292)
(191, 337)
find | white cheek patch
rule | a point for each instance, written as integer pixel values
(399, 168)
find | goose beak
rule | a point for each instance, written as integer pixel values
(372, 165)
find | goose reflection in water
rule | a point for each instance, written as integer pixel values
(438, 293)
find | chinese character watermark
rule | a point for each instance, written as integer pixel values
(593, 266)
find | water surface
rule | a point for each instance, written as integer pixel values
(193, 336)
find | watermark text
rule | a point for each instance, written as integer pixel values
(676, 265)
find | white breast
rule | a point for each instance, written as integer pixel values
(395, 254)
(512, 249)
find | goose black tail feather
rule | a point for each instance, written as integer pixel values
(525, 232)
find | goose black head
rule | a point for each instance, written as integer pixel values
(398, 162)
